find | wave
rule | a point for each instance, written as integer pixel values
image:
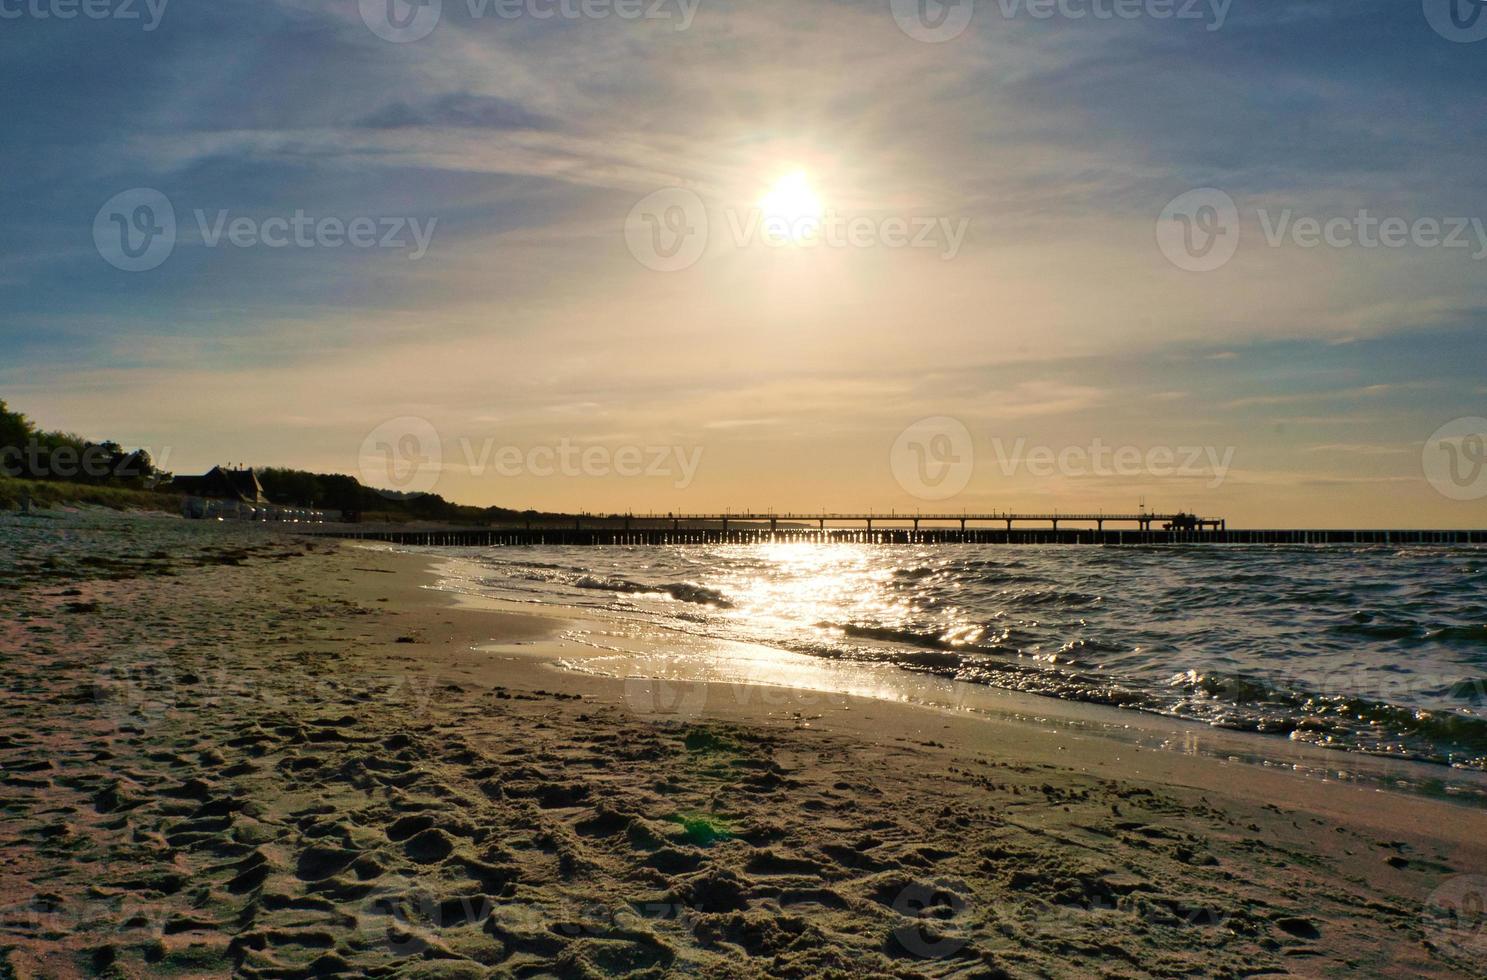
(1373, 649)
(1235, 701)
(1470, 636)
(1473, 690)
(1052, 597)
(1244, 701)
(680, 591)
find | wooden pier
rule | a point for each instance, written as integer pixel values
(864, 528)
(675, 522)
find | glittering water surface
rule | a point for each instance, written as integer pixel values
(1375, 649)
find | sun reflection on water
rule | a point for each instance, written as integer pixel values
(824, 587)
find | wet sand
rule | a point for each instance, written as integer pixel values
(299, 761)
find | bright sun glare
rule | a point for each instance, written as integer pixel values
(792, 205)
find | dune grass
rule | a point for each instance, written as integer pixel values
(54, 493)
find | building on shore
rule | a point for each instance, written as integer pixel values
(226, 494)
(240, 486)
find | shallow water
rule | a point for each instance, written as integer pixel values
(1380, 649)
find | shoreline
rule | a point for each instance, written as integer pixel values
(303, 760)
(732, 667)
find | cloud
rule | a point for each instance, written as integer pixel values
(1360, 449)
(460, 110)
(740, 423)
(1335, 394)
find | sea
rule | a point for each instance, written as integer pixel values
(1378, 650)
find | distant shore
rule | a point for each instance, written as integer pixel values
(289, 756)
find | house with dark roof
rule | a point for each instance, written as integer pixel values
(241, 486)
(224, 494)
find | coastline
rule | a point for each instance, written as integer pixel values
(356, 747)
(675, 671)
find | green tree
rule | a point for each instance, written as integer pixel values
(15, 428)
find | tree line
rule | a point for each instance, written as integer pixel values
(29, 453)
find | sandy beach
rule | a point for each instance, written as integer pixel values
(290, 757)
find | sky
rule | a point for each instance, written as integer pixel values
(812, 254)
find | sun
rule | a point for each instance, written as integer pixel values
(791, 209)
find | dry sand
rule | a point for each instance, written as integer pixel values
(294, 761)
